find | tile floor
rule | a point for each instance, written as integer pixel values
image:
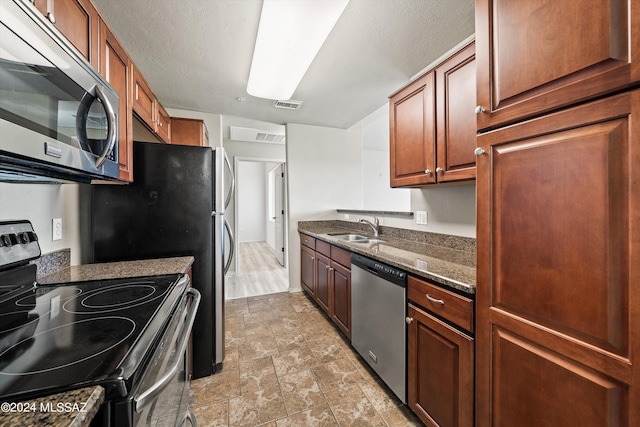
(287, 365)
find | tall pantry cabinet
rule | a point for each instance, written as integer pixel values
(558, 205)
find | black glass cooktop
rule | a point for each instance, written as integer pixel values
(65, 336)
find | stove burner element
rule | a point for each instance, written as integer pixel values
(99, 335)
(113, 298)
(29, 300)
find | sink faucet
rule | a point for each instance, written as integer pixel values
(375, 224)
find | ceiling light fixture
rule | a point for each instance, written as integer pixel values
(290, 35)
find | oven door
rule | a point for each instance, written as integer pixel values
(161, 397)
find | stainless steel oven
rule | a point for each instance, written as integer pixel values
(129, 335)
(161, 395)
(58, 116)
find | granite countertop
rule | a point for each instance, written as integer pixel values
(75, 408)
(122, 269)
(444, 259)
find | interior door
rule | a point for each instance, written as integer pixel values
(279, 217)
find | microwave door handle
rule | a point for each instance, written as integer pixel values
(111, 128)
(146, 397)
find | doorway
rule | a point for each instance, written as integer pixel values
(260, 226)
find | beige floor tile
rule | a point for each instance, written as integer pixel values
(258, 347)
(213, 414)
(216, 387)
(255, 408)
(401, 416)
(336, 375)
(380, 396)
(258, 330)
(301, 392)
(320, 416)
(257, 374)
(352, 408)
(294, 360)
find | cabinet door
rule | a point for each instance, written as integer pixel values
(144, 102)
(163, 123)
(188, 132)
(341, 313)
(412, 133)
(456, 118)
(78, 21)
(440, 377)
(323, 282)
(559, 268)
(116, 69)
(537, 56)
(307, 269)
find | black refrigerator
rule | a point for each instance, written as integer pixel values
(174, 207)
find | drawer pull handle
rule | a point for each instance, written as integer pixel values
(434, 300)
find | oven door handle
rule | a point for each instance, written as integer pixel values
(148, 396)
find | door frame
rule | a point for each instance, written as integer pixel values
(285, 225)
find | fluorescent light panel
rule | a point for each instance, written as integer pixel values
(290, 35)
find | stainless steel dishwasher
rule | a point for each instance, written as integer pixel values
(378, 311)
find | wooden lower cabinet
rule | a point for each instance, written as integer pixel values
(307, 269)
(440, 363)
(558, 301)
(323, 282)
(325, 276)
(341, 297)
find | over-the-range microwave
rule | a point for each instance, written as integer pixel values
(58, 116)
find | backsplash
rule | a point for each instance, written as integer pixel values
(52, 262)
(465, 244)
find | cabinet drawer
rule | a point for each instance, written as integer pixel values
(324, 248)
(308, 241)
(341, 256)
(448, 305)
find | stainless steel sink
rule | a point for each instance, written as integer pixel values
(357, 238)
(351, 237)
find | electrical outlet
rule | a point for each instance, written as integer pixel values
(56, 229)
(346, 216)
(421, 217)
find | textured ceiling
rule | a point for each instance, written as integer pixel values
(196, 54)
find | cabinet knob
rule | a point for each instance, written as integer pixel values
(439, 170)
(408, 320)
(480, 109)
(479, 151)
(427, 171)
(51, 18)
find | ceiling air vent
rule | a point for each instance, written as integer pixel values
(255, 135)
(288, 105)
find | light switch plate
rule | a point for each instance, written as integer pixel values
(56, 229)
(421, 217)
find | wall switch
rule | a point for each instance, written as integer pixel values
(421, 217)
(57, 229)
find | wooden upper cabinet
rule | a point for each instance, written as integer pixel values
(78, 21)
(442, 99)
(412, 133)
(148, 109)
(116, 69)
(189, 132)
(534, 57)
(558, 268)
(455, 112)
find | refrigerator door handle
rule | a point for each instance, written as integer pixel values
(232, 245)
(233, 182)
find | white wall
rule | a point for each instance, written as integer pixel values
(40, 203)
(324, 172)
(377, 194)
(252, 202)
